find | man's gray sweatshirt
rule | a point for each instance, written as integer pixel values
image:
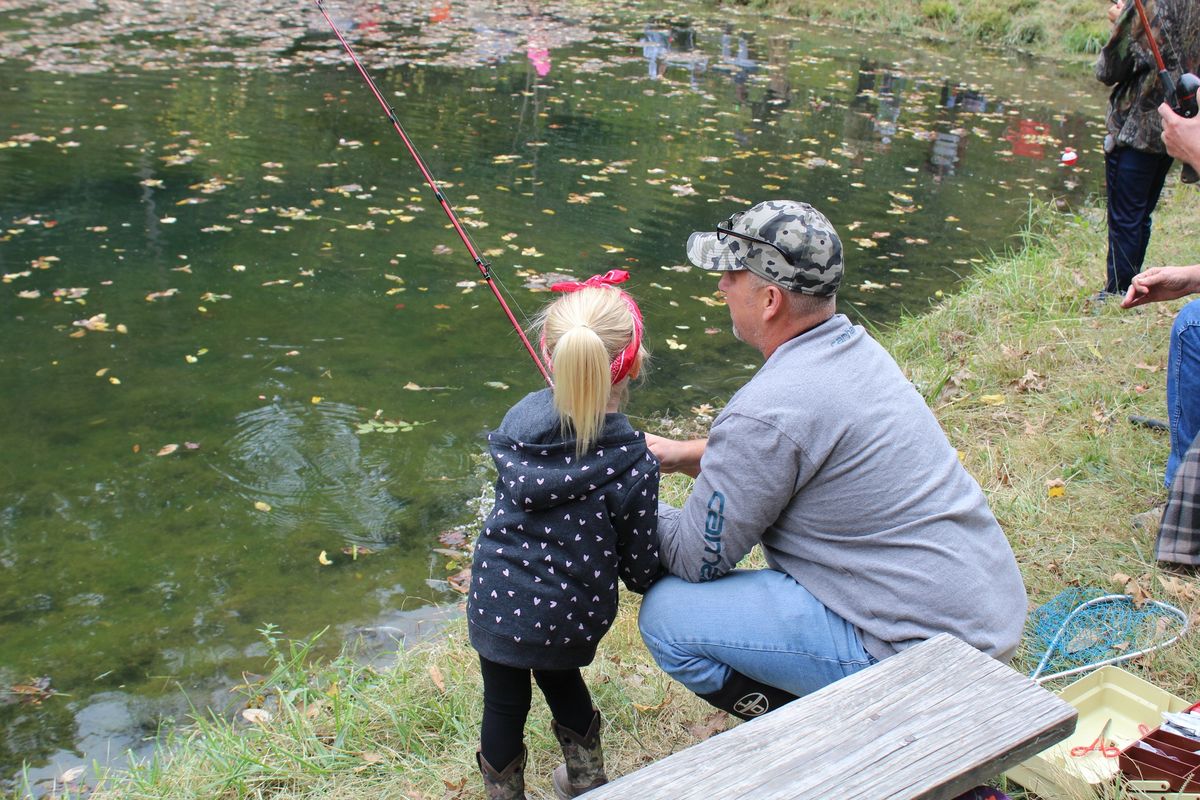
(831, 458)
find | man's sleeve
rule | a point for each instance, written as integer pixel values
(1119, 56)
(750, 471)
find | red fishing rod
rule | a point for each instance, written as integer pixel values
(484, 267)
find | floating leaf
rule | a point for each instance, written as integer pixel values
(323, 559)
(262, 505)
(167, 449)
(72, 775)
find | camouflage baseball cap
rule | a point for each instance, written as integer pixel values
(788, 243)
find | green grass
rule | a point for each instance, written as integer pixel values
(1074, 29)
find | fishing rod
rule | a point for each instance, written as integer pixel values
(484, 267)
(1182, 96)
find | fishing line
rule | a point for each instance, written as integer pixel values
(484, 267)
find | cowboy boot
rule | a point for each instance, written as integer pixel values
(584, 760)
(747, 698)
(506, 784)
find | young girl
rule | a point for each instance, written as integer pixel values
(576, 507)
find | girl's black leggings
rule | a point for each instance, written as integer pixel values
(507, 695)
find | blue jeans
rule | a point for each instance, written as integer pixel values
(1183, 384)
(759, 622)
(1134, 180)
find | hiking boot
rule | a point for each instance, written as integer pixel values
(583, 769)
(505, 784)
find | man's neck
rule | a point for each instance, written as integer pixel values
(773, 340)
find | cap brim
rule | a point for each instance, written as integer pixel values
(704, 251)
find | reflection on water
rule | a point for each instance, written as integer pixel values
(220, 268)
(306, 462)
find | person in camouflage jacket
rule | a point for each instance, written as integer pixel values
(1136, 162)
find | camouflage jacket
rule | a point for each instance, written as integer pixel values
(1127, 64)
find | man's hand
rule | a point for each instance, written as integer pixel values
(677, 456)
(1162, 283)
(1181, 135)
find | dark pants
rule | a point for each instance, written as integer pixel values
(1134, 180)
(507, 696)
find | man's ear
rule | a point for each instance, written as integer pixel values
(774, 304)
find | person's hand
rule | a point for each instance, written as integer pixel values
(1115, 10)
(1161, 283)
(1180, 135)
(676, 456)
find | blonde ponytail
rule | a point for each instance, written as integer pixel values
(584, 331)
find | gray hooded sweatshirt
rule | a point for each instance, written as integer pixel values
(832, 460)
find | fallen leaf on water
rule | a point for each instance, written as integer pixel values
(315, 399)
(167, 449)
(262, 506)
(33, 692)
(460, 581)
(323, 559)
(72, 775)
(496, 385)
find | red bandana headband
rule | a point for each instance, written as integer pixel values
(625, 360)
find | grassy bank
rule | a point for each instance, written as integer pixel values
(1033, 385)
(1074, 29)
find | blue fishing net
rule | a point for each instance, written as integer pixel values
(1105, 630)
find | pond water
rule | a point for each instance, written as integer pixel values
(219, 266)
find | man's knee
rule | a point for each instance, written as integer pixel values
(1187, 318)
(656, 606)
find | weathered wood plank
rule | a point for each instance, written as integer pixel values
(929, 723)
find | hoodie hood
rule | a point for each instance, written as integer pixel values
(540, 469)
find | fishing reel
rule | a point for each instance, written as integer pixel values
(1185, 95)
(1185, 106)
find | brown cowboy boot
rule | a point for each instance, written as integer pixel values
(584, 767)
(508, 783)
